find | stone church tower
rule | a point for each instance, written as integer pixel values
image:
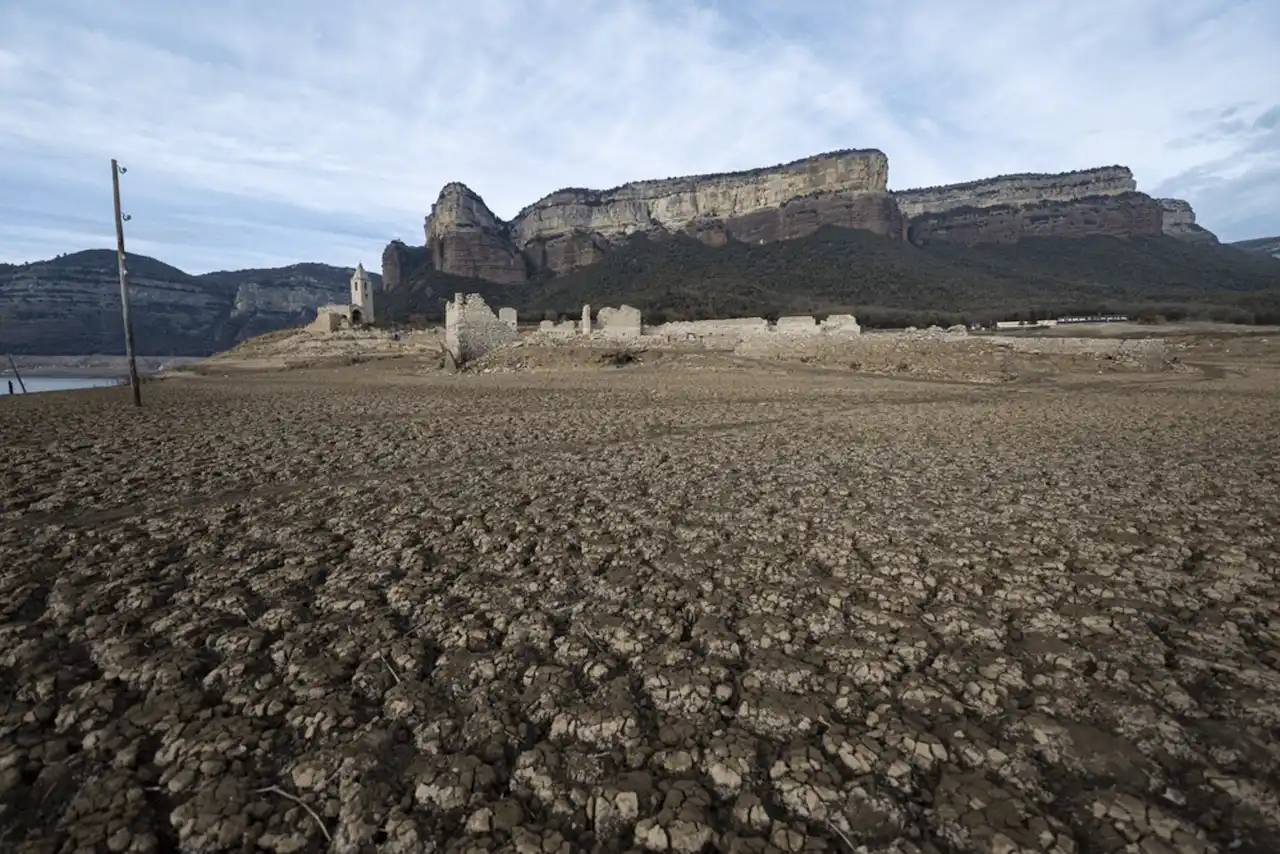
(361, 297)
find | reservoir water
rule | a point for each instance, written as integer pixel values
(38, 384)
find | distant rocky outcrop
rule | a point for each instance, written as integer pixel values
(1008, 208)
(575, 228)
(1179, 220)
(1259, 246)
(1017, 190)
(466, 239)
(71, 304)
(397, 260)
(1119, 215)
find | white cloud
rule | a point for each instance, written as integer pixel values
(327, 112)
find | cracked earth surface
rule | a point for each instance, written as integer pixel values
(629, 611)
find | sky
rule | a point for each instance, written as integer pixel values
(265, 132)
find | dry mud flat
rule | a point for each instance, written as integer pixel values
(360, 610)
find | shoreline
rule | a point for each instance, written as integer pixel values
(90, 367)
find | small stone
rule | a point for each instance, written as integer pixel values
(651, 836)
(182, 780)
(480, 821)
(119, 841)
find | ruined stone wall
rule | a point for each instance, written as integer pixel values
(677, 329)
(471, 329)
(728, 332)
(841, 324)
(622, 322)
(800, 324)
(330, 318)
(564, 328)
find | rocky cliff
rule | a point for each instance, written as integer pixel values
(71, 305)
(574, 228)
(1123, 215)
(1008, 208)
(466, 239)
(1017, 190)
(1179, 220)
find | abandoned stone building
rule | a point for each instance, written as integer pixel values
(359, 310)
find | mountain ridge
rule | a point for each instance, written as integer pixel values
(884, 283)
(574, 227)
(70, 305)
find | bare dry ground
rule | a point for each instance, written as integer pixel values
(686, 604)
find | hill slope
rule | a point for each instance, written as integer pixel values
(71, 305)
(890, 282)
(1261, 246)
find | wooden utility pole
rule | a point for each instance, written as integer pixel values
(124, 286)
(14, 365)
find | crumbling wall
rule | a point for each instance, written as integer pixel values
(797, 325)
(841, 324)
(709, 332)
(330, 318)
(564, 327)
(471, 329)
(622, 322)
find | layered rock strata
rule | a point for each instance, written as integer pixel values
(574, 228)
(1017, 190)
(70, 305)
(466, 239)
(1179, 220)
(1008, 208)
(1122, 215)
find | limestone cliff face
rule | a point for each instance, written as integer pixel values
(1022, 189)
(1008, 208)
(397, 260)
(466, 239)
(1179, 220)
(575, 227)
(682, 204)
(1123, 215)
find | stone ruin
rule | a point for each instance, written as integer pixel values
(563, 328)
(471, 329)
(623, 322)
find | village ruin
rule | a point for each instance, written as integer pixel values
(472, 329)
(360, 310)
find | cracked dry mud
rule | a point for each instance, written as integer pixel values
(363, 611)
